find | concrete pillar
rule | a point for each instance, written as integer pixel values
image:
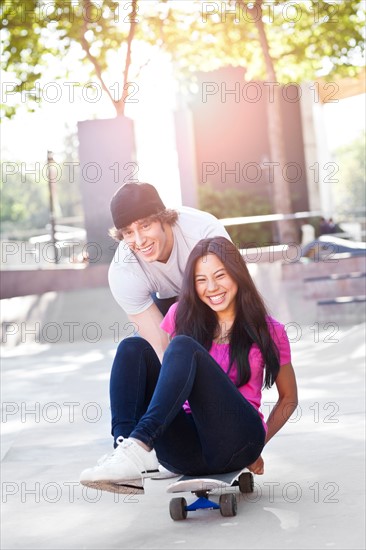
(107, 161)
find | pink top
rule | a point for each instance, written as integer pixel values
(252, 391)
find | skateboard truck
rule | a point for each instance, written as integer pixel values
(179, 509)
(202, 503)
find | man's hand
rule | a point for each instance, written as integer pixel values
(257, 467)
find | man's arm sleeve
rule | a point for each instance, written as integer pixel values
(130, 292)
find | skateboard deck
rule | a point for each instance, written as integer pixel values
(203, 486)
(204, 483)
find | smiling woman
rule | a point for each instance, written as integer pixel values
(216, 288)
(198, 412)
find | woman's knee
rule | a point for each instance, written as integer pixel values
(182, 343)
(132, 344)
(130, 350)
(131, 353)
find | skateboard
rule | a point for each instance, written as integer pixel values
(203, 486)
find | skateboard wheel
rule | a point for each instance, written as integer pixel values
(228, 505)
(246, 483)
(177, 509)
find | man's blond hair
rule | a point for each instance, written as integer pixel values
(165, 216)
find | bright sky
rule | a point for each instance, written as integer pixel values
(344, 120)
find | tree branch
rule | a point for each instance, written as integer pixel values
(92, 59)
(130, 38)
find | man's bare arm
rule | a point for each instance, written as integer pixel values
(147, 323)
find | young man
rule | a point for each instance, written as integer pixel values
(146, 272)
(155, 243)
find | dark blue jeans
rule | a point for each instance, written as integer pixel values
(223, 432)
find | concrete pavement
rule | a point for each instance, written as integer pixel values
(55, 422)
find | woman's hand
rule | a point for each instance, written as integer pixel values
(287, 401)
(257, 467)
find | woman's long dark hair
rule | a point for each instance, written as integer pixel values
(196, 319)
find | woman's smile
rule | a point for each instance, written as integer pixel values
(215, 287)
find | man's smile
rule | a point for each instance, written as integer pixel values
(145, 249)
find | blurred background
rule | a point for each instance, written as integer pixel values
(251, 110)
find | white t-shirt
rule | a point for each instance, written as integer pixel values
(132, 281)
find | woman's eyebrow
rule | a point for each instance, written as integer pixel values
(215, 272)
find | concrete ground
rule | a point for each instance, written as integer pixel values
(55, 422)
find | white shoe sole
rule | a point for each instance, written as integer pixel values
(165, 475)
(132, 487)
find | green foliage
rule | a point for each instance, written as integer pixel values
(36, 33)
(306, 38)
(24, 201)
(349, 191)
(232, 203)
(25, 195)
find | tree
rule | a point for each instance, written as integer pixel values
(298, 41)
(306, 38)
(29, 28)
(281, 195)
(295, 46)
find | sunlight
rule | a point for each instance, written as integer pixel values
(154, 129)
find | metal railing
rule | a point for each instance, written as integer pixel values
(268, 218)
(246, 220)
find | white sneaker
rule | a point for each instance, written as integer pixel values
(124, 470)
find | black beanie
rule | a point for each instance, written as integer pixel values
(134, 201)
